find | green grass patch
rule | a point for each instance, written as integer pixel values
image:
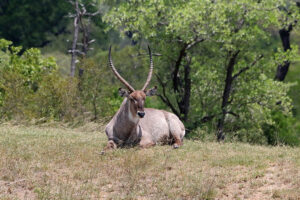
(62, 163)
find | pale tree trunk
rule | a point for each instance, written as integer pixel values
(75, 39)
(84, 28)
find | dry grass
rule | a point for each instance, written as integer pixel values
(63, 163)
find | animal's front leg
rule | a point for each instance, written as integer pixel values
(110, 146)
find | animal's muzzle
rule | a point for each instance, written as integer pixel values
(141, 114)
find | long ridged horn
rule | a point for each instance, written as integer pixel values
(130, 88)
(150, 71)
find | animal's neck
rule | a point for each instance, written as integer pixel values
(132, 116)
(126, 124)
(127, 119)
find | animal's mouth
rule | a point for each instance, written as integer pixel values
(141, 114)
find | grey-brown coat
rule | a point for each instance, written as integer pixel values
(135, 125)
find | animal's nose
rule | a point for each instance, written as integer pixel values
(141, 114)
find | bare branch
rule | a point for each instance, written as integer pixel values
(70, 15)
(145, 54)
(71, 2)
(76, 51)
(83, 8)
(92, 14)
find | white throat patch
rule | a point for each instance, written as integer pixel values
(131, 117)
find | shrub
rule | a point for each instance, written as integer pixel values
(20, 78)
(57, 99)
(282, 131)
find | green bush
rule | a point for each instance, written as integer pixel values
(57, 99)
(20, 78)
(32, 88)
(282, 131)
(99, 97)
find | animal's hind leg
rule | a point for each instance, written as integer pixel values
(177, 130)
(177, 142)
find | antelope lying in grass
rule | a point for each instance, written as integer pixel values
(135, 125)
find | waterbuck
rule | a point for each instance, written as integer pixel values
(135, 125)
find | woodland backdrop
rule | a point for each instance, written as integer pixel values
(230, 70)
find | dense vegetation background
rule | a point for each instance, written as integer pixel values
(228, 69)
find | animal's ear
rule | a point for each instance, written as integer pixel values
(152, 91)
(123, 92)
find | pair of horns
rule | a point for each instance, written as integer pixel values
(130, 88)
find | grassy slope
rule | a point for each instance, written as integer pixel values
(62, 163)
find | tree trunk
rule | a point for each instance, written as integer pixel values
(226, 95)
(85, 40)
(75, 38)
(282, 69)
(176, 80)
(184, 104)
(181, 86)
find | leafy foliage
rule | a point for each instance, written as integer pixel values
(209, 33)
(20, 77)
(214, 63)
(282, 130)
(29, 23)
(32, 88)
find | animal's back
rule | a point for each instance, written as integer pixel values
(161, 125)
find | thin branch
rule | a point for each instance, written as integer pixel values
(248, 67)
(92, 14)
(165, 98)
(196, 41)
(182, 53)
(76, 51)
(71, 2)
(207, 118)
(91, 41)
(83, 8)
(70, 15)
(234, 114)
(146, 54)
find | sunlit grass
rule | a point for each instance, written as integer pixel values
(62, 163)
